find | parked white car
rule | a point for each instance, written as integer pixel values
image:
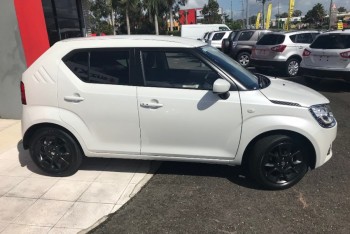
(169, 98)
(195, 31)
(328, 57)
(282, 51)
(215, 38)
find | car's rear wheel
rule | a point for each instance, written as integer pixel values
(278, 161)
(292, 67)
(244, 59)
(55, 152)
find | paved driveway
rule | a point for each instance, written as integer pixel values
(31, 202)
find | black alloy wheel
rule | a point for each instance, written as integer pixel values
(278, 161)
(55, 152)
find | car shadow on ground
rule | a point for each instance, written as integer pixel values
(90, 164)
(235, 174)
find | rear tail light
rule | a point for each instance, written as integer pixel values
(279, 48)
(306, 53)
(23, 94)
(345, 54)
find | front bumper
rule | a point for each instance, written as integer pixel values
(323, 144)
(322, 73)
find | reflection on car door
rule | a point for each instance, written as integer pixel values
(179, 114)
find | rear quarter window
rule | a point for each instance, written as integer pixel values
(218, 36)
(245, 36)
(331, 41)
(271, 39)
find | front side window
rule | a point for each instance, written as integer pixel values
(176, 69)
(100, 66)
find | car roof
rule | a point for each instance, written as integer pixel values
(136, 41)
(295, 32)
(346, 31)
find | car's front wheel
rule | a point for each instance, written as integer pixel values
(55, 152)
(278, 161)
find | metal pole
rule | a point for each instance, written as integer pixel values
(231, 12)
(263, 14)
(330, 15)
(247, 13)
(278, 21)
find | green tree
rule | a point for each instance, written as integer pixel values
(316, 15)
(128, 6)
(284, 15)
(342, 9)
(99, 15)
(211, 12)
(154, 7)
(297, 13)
(174, 5)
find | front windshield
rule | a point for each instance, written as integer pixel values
(245, 77)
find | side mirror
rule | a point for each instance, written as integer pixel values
(222, 87)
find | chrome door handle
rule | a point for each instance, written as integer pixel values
(74, 98)
(151, 105)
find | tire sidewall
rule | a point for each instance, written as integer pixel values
(72, 145)
(258, 154)
(289, 61)
(242, 54)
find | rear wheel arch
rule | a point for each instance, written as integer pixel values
(305, 140)
(299, 58)
(33, 129)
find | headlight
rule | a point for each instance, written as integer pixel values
(323, 114)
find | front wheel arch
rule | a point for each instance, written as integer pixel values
(305, 140)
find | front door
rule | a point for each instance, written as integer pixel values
(179, 114)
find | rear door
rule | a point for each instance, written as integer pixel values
(95, 97)
(302, 41)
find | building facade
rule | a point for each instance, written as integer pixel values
(28, 29)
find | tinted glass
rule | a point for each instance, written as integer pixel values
(106, 66)
(109, 67)
(218, 36)
(304, 38)
(331, 41)
(293, 38)
(245, 36)
(181, 70)
(225, 62)
(66, 8)
(79, 65)
(271, 39)
(232, 35)
(69, 28)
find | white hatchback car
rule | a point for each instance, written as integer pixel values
(169, 98)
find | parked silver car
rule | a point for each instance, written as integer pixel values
(282, 51)
(328, 57)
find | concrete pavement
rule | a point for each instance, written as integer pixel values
(31, 202)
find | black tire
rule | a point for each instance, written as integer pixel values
(292, 67)
(225, 45)
(55, 152)
(278, 161)
(243, 58)
(311, 81)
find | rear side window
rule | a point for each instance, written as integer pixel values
(331, 41)
(218, 36)
(100, 66)
(245, 36)
(304, 38)
(271, 39)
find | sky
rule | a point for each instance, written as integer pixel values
(254, 7)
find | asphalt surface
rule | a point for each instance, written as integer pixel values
(200, 198)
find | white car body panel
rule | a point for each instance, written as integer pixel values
(195, 123)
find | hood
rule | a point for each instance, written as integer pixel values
(287, 91)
